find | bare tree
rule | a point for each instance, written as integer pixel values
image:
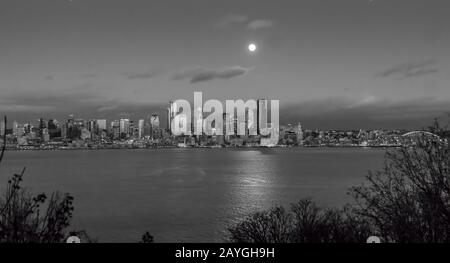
(4, 140)
(303, 223)
(409, 200)
(273, 226)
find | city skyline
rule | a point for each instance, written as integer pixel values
(333, 65)
(75, 133)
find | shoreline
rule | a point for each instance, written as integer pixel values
(204, 147)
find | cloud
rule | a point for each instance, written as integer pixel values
(143, 75)
(422, 72)
(186, 73)
(232, 19)
(108, 108)
(84, 100)
(201, 75)
(259, 24)
(411, 69)
(50, 99)
(366, 101)
(49, 77)
(243, 21)
(25, 108)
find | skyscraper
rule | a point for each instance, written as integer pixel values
(141, 129)
(115, 129)
(171, 112)
(64, 130)
(299, 134)
(124, 127)
(230, 124)
(154, 121)
(91, 125)
(262, 115)
(53, 129)
(2, 128)
(101, 124)
(52, 124)
(15, 128)
(251, 122)
(42, 126)
(168, 120)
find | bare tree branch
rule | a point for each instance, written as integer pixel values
(4, 140)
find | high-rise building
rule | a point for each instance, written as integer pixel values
(15, 128)
(53, 129)
(45, 135)
(168, 120)
(251, 122)
(74, 127)
(171, 112)
(27, 128)
(42, 126)
(230, 124)
(262, 115)
(2, 128)
(154, 121)
(115, 129)
(52, 124)
(299, 134)
(64, 130)
(101, 125)
(85, 134)
(182, 125)
(141, 129)
(91, 126)
(224, 123)
(124, 127)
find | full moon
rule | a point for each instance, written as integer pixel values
(252, 47)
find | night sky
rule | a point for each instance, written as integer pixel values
(332, 64)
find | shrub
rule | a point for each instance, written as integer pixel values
(303, 223)
(25, 218)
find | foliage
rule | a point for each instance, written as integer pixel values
(24, 219)
(147, 238)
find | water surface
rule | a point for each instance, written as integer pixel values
(188, 195)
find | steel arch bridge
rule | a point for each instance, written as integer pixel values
(418, 133)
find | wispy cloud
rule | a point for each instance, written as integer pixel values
(50, 99)
(243, 21)
(421, 72)
(107, 108)
(411, 69)
(232, 19)
(143, 75)
(201, 75)
(25, 108)
(186, 73)
(259, 24)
